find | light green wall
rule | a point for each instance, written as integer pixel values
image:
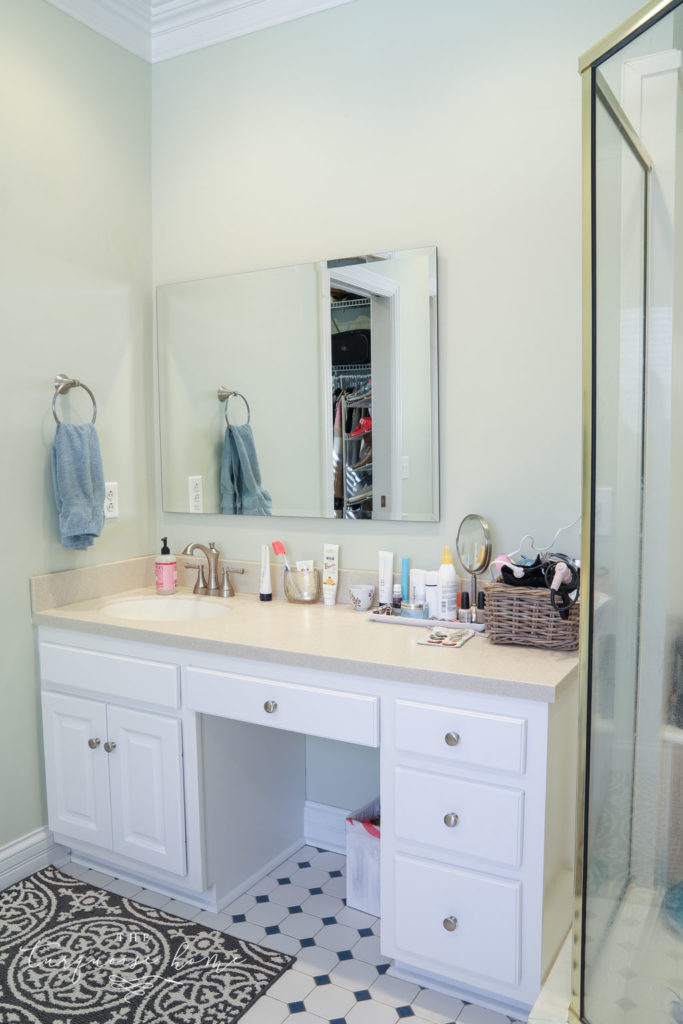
(379, 124)
(390, 124)
(75, 238)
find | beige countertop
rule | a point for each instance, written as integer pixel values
(335, 639)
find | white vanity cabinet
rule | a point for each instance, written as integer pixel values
(184, 767)
(114, 767)
(476, 886)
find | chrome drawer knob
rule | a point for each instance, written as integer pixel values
(451, 820)
(93, 744)
(452, 739)
(110, 746)
(450, 923)
(270, 706)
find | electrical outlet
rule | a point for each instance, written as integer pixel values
(196, 493)
(405, 467)
(111, 501)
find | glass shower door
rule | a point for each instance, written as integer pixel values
(630, 964)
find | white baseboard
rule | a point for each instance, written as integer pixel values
(325, 826)
(30, 853)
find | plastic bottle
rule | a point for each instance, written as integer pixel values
(448, 587)
(165, 570)
(432, 593)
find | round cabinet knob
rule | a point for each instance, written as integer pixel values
(270, 706)
(110, 746)
(450, 923)
(93, 744)
(451, 820)
(452, 739)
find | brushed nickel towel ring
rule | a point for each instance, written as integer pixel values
(63, 384)
(224, 395)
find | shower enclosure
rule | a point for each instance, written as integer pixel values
(629, 911)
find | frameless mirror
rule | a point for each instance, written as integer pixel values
(337, 364)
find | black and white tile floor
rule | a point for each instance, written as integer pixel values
(339, 976)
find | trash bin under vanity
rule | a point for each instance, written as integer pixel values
(362, 858)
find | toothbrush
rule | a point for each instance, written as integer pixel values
(279, 549)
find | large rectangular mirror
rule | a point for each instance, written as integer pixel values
(308, 390)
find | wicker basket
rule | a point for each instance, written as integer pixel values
(524, 615)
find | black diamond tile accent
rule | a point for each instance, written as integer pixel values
(315, 892)
(262, 899)
(295, 910)
(405, 1011)
(362, 995)
(283, 881)
(335, 874)
(272, 929)
(346, 954)
(297, 1007)
(338, 1020)
(311, 942)
(304, 863)
(238, 918)
(382, 968)
(364, 932)
(329, 920)
(322, 979)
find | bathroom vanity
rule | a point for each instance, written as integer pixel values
(175, 756)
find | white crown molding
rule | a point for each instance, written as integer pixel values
(126, 22)
(159, 29)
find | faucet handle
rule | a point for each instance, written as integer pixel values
(200, 585)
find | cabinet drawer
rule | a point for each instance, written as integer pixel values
(471, 819)
(332, 714)
(486, 912)
(458, 736)
(152, 682)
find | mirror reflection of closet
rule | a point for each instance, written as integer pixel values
(351, 337)
(361, 318)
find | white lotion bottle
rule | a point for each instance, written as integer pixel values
(165, 570)
(432, 593)
(265, 585)
(448, 587)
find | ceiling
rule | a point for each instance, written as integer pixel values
(159, 29)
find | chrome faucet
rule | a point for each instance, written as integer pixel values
(212, 555)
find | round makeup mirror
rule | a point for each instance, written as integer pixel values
(473, 544)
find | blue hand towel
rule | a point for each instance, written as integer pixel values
(241, 490)
(229, 470)
(78, 481)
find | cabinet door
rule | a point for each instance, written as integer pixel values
(76, 768)
(146, 779)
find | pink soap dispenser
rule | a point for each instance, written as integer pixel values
(165, 570)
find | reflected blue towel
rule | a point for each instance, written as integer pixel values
(78, 481)
(241, 490)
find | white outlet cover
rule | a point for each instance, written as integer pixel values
(111, 500)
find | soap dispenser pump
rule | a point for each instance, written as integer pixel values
(165, 570)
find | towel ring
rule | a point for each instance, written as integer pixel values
(224, 396)
(63, 384)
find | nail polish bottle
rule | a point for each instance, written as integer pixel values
(481, 607)
(465, 610)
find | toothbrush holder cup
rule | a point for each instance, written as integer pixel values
(302, 587)
(362, 596)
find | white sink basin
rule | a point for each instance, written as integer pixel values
(169, 608)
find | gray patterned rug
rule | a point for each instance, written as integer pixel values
(74, 954)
